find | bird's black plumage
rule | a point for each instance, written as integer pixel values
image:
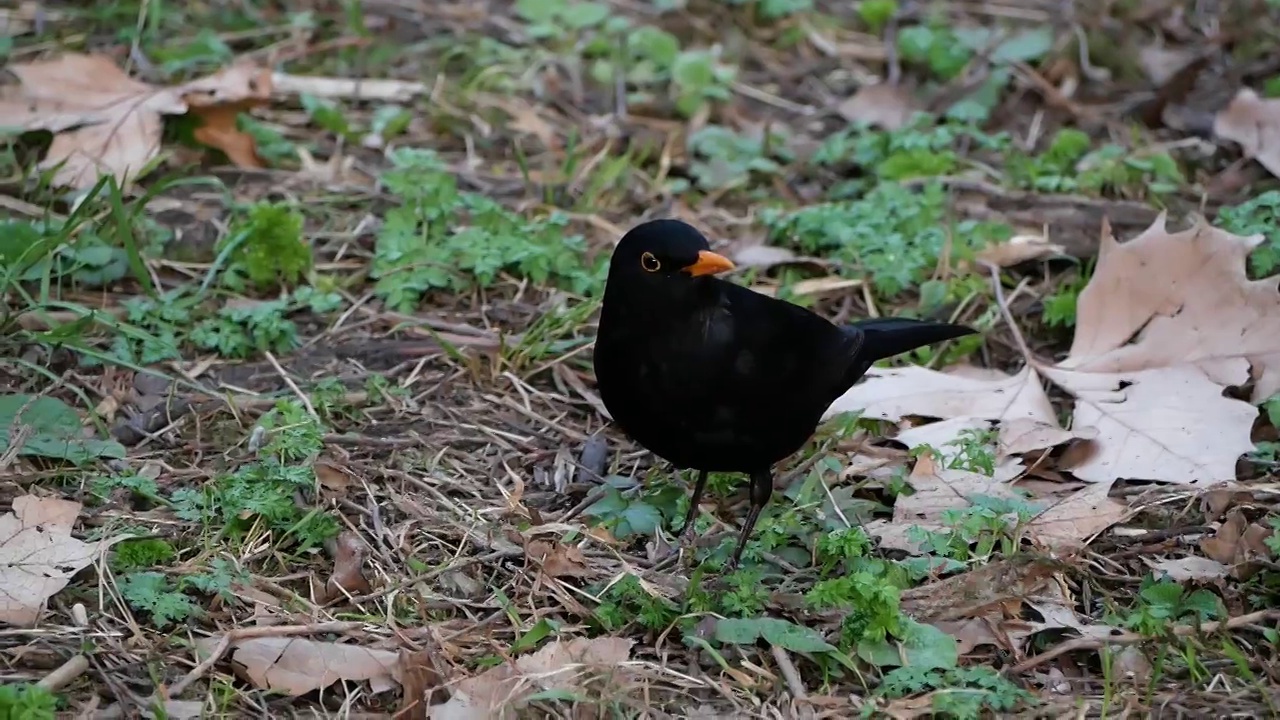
(715, 377)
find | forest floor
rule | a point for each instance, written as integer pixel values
(301, 418)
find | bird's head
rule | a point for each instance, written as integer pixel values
(667, 257)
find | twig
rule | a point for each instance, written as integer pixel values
(306, 401)
(1131, 638)
(789, 673)
(1004, 311)
(247, 633)
(65, 674)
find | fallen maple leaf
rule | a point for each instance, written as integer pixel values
(295, 666)
(38, 556)
(1150, 405)
(559, 665)
(106, 123)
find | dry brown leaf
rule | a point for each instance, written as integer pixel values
(295, 666)
(1253, 122)
(38, 556)
(1192, 567)
(1160, 64)
(105, 122)
(333, 476)
(882, 104)
(348, 568)
(978, 591)
(557, 559)
(559, 665)
(1153, 404)
(420, 679)
(1067, 524)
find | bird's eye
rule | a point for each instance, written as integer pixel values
(650, 263)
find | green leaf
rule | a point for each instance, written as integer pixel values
(923, 646)
(1025, 46)
(585, 15)
(790, 636)
(539, 11)
(55, 430)
(642, 518)
(783, 633)
(737, 631)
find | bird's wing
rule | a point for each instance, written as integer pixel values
(793, 358)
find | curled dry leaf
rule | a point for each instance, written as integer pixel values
(557, 559)
(1237, 543)
(106, 123)
(348, 568)
(882, 104)
(38, 556)
(295, 666)
(333, 476)
(1019, 249)
(1253, 122)
(559, 665)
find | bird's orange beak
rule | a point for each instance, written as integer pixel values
(709, 263)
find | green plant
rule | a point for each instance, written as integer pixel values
(651, 60)
(266, 246)
(154, 593)
(774, 9)
(974, 533)
(627, 601)
(1059, 307)
(144, 553)
(262, 493)
(556, 18)
(1162, 603)
(240, 331)
(959, 692)
(24, 701)
(442, 238)
(56, 430)
(893, 234)
(875, 14)
(723, 159)
(1259, 215)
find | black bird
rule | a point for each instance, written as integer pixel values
(715, 377)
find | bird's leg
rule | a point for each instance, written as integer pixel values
(698, 487)
(761, 491)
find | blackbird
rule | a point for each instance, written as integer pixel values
(713, 376)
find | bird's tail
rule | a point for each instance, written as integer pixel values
(885, 337)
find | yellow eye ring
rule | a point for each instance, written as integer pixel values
(650, 263)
